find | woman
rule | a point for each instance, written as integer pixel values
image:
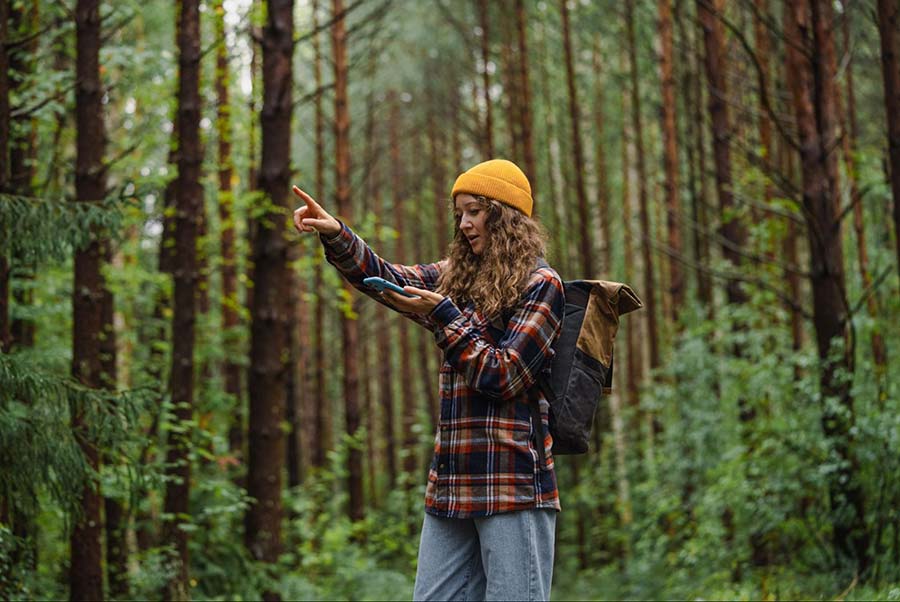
(495, 309)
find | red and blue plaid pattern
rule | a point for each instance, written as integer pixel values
(485, 461)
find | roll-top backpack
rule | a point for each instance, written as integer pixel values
(582, 366)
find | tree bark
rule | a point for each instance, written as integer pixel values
(23, 151)
(114, 510)
(438, 183)
(407, 390)
(525, 94)
(370, 355)
(732, 230)
(889, 30)
(5, 337)
(511, 93)
(700, 202)
(584, 218)
(318, 431)
(634, 365)
(230, 302)
(349, 326)
(269, 345)
(848, 148)
(86, 572)
(488, 133)
(600, 167)
(188, 205)
(811, 72)
(385, 372)
(670, 157)
(644, 212)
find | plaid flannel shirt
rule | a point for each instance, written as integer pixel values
(485, 461)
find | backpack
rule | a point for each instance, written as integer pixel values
(582, 366)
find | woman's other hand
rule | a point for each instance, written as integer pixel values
(312, 218)
(426, 301)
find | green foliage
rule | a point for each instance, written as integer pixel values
(38, 447)
(35, 230)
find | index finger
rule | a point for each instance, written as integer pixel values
(310, 202)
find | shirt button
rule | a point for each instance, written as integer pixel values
(442, 466)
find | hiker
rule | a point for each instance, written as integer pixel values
(491, 498)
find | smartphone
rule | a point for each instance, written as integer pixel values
(379, 284)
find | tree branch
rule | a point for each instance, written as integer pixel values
(326, 24)
(736, 277)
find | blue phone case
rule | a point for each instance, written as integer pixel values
(379, 284)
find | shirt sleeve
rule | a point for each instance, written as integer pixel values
(512, 366)
(355, 260)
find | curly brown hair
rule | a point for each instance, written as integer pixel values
(496, 279)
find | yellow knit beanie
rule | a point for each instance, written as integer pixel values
(497, 179)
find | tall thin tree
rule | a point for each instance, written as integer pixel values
(889, 30)
(670, 156)
(271, 316)
(318, 428)
(586, 247)
(85, 570)
(811, 72)
(5, 338)
(849, 150)
(733, 233)
(188, 205)
(487, 136)
(230, 302)
(349, 326)
(524, 84)
(642, 183)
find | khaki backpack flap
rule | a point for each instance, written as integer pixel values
(607, 301)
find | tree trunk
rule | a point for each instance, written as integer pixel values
(230, 302)
(644, 214)
(700, 202)
(731, 230)
(511, 93)
(349, 326)
(438, 184)
(5, 337)
(525, 94)
(584, 218)
(809, 34)
(603, 196)
(370, 359)
(269, 344)
(407, 384)
(488, 133)
(86, 572)
(848, 147)
(23, 23)
(634, 364)
(670, 157)
(23, 150)
(385, 372)
(188, 205)
(889, 30)
(318, 430)
(115, 514)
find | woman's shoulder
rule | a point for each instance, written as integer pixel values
(544, 276)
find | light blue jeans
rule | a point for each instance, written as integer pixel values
(502, 557)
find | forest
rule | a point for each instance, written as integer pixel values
(194, 404)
